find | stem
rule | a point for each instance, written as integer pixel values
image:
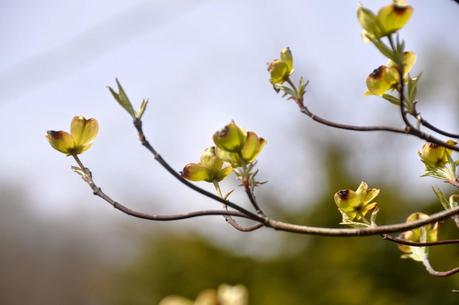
(248, 188)
(97, 191)
(433, 272)
(436, 129)
(419, 244)
(176, 175)
(231, 220)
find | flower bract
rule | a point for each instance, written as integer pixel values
(394, 16)
(210, 168)
(381, 80)
(427, 233)
(82, 134)
(281, 69)
(354, 205)
(434, 155)
(388, 20)
(236, 146)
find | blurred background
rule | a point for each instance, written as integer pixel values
(202, 63)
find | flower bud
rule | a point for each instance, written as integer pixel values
(61, 141)
(393, 17)
(209, 169)
(434, 155)
(381, 80)
(369, 22)
(427, 233)
(355, 205)
(286, 56)
(279, 71)
(232, 158)
(82, 134)
(230, 138)
(409, 59)
(252, 147)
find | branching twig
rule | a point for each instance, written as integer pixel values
(326, 122)
(367, 231)
(288, 227)
(253, 200)
(432, 127)
(230, 220)
(157, 156)
(433, 272)
(87, 177)
(419, 244)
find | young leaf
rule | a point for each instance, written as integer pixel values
(394, 100)
(441, 197)
(122, 99)
(143, 107)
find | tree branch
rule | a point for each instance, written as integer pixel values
(377, 230)
(326, 122)
(288, 227)
(97, 191)
(436, 129)
(433, 272)
(175, 174)
(419, 244)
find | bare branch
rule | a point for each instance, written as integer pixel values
(157, 156)
(253, 200)
(436, 129)
(376, 230)
(326, 122)
(87, 177)
(433, 272)
(419, 244)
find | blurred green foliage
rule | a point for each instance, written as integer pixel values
(310, 270)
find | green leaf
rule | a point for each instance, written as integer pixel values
(302, 87)
(122, 99)
(441, 197)
(394, 100)
(373, 216)
(143, 107)
(382, 47)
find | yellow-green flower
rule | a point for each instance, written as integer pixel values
(427, 233)
(287, 57)
(381, 80)
(82, 134)
(281, 69)
(236, 146)
(355, 205)
(369, 22)
(394, 16)
(231, 138)
(389, 19)
(409, 59)
(209, 169)
(434, 155)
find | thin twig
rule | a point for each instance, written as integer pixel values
(326, 122)
(434, 272)
(301, 229)
(417, 115)
(419, 244)
(87, 177)
(157, 156)
(230, 220)
(437, 130)
(253, 200)
(367, 231)
(410, 128)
